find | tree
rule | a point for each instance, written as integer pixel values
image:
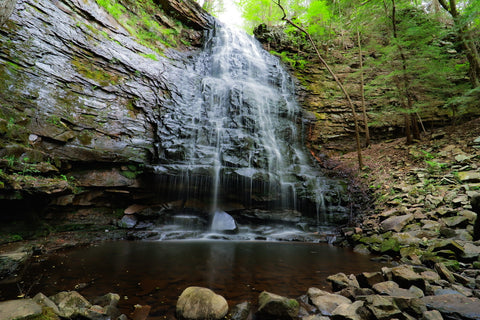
(334, 76)
(463, 23)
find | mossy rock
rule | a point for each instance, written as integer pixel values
(390, 245)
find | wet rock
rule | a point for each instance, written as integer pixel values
(340, 281)
(11, 263)
(396, 223)
(326, 302)
(108, 302)
(70, 304)
(475, 202)
(23, 309)
(128, 222)
(349, 311)
(272, 306)
(454, 306)
(224, 222)
(197, 303)
(240, 311)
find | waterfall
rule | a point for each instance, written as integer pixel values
(233, 131)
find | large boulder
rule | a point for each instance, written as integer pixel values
(196, 303)
(326, 302)
(71, 304)
(340, 281)
(454, 306)
(396, 223)
(272, 306)
(19, 309)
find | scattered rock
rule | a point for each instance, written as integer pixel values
(326, 302)
(454, 306)
(396, 223)
(272, 306)
(197, 303)
(22, 309)
(349, 311)
(70, 304)
(240, 311)
(340, 281)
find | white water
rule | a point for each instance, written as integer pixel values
(236, 128)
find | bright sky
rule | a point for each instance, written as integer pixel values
(232, 15)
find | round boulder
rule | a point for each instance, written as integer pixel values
(196, 303)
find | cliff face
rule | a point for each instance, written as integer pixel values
(81, 89)
(76, 85)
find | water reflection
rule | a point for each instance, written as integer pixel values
(155, 273)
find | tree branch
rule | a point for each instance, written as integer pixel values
(339, 83)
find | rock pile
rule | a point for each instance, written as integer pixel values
(63, 305)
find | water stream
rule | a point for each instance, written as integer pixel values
(236, 134)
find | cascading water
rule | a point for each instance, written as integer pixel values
(234, 133)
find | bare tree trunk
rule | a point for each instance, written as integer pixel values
(362, 91)
(410, 122)
(339, 83)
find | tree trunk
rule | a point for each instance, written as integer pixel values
(362, 91)
(339, 83)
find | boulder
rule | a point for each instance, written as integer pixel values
(197, 303)
(272, 306)
(44, 301)
(326, 302)
(70, 304)
(382, 307)
(10, 263)
(443, 271)
(223, 222)
(454, 306)
(396, 223)
(469, 176)
(349, 311)
(6, 9)
(19, 309)
(432, 315)
(340, 281)
(406, 277)
(240, 311)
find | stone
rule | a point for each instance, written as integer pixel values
(362, 249)
(6, 9)
(368, 279)
(315, 317)
(432, 315)
(405, 276)
(22, 309)
(197, 303)
(341, 280)
(10, 263)
(44, 301)
(454, 306)
(70, 304)
(128, 222)
(349, 311)
(240, 311)
(469, 176)
(470, 251)
(223, 222)
(273, 306)
(448, 245)
(382, 307)
(456, 222)
(326, 302)
(353, 292)
(396, 223)
(444, 272)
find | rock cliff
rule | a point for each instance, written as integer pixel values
(82, 86)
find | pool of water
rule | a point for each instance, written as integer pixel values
(155, 273)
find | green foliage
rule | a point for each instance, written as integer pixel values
(138, 17)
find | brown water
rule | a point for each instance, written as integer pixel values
(155, 273)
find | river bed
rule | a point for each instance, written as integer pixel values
(156, 272)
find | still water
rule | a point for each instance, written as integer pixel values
(155, 273)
